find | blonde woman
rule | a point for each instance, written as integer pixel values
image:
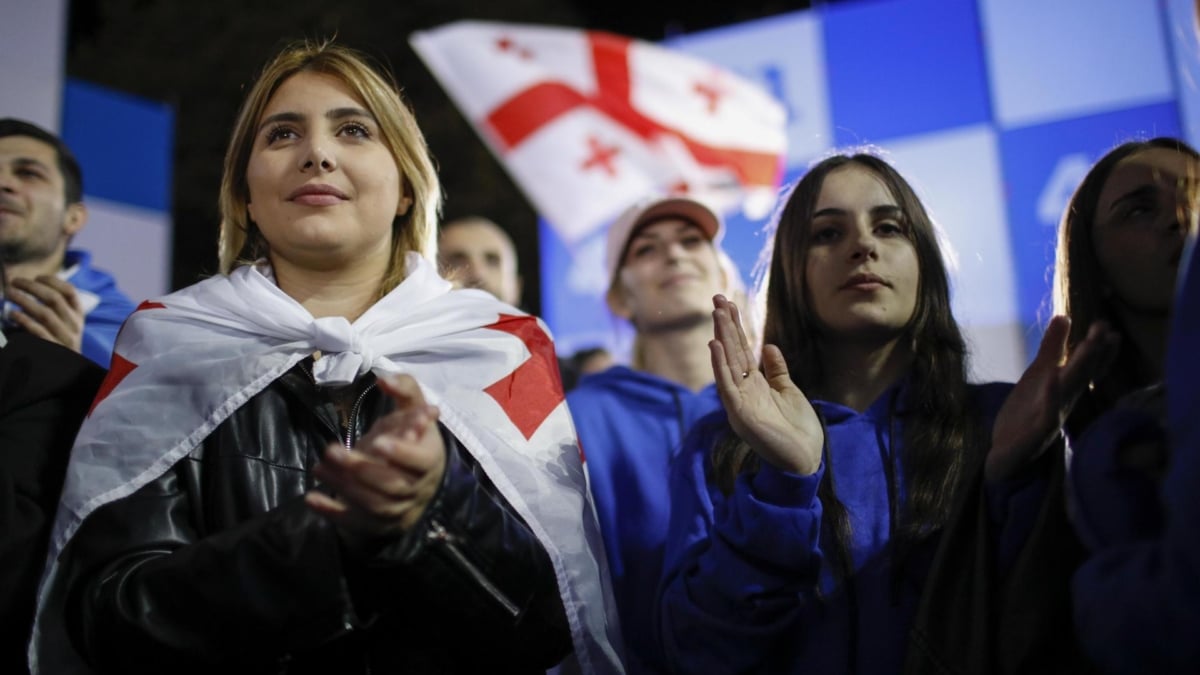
(305, 464)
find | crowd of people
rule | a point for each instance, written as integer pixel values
(351, 451)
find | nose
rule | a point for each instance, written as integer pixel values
(470, 271)
(317, 155)
(863, 244)
(675, 250)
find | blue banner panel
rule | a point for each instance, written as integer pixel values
(124, 144)
(897, 68)
(1057, 59)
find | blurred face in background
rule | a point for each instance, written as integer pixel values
(668, 276)
(478, 254)
(35, 220)
(1143, 215)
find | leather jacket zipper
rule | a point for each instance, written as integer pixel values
(352, 421)
(438, 534)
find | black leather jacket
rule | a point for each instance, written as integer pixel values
(219, 566)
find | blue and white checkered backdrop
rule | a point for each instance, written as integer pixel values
(994, 109)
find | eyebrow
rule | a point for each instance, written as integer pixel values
(333, 114)
(31, 161)
(877, 211)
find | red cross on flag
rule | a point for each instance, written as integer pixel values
(588, 122)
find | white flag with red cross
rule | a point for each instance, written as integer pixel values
(588, 122)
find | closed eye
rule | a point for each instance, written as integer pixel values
(28, 172)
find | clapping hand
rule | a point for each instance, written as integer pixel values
(381, 486)
(766, 409)
(1035, 410)
(49, 309)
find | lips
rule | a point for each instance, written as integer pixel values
(316, 194)
(678, 279)
(865, 279)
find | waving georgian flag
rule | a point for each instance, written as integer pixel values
(588, 122)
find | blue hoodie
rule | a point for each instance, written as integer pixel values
(747, 587)
(101, 323)
(1137, 599)
(630, 425)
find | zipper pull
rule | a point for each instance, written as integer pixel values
(438, 533)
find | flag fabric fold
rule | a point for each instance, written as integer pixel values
(588, 122)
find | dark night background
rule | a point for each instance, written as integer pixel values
(198, 56)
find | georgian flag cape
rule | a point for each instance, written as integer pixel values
(588, 122)
(186, 362)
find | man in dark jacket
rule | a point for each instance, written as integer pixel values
(45, 389)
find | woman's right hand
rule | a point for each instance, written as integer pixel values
(382, 486)
(766, 409)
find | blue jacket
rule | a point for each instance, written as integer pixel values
(746, 587)
(100, 325)
(630, 425)
(1137, 599)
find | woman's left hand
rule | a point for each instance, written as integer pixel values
(382, 485)
(1035, 410)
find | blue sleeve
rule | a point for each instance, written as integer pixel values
(100, 334)
(1137, 605)
(1137, 599)
(735, 568)
(101, 325)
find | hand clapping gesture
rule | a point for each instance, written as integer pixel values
(766, 409)
(50, 309)
(1037, 407)
(382, 486)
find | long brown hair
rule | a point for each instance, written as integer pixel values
(1078, 279)
(941, 439)
(240, 241)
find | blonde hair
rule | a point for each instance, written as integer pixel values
(242, 244)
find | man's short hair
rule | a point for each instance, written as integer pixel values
(68, 166)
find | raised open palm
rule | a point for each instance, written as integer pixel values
(766, 409)
(1034, 412)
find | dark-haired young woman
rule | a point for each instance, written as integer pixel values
(808, 511)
